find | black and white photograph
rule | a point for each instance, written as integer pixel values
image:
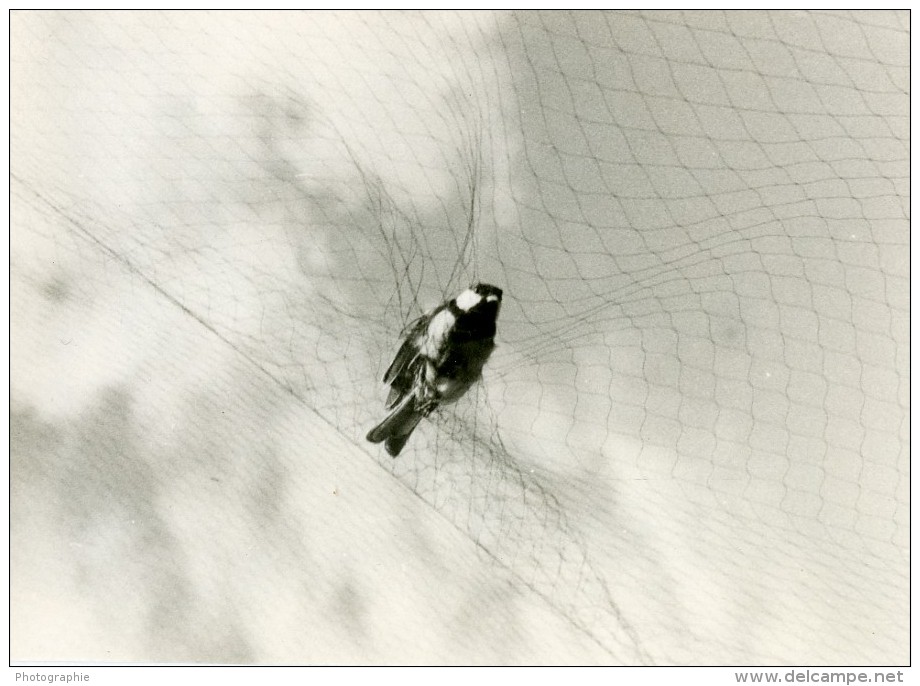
(455, 338)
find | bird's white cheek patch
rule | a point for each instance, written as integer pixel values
(440, 325)
(467, 300)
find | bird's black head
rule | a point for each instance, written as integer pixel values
(488, 292)
(476, 309)
(480, 296)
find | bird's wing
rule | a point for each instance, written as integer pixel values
(408, 351)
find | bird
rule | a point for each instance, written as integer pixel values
(440, 359)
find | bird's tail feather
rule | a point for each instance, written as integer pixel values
(398, 426)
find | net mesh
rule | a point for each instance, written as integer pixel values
(700, 223)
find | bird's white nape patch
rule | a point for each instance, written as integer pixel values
(467, 300)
